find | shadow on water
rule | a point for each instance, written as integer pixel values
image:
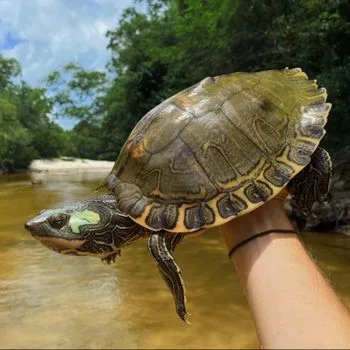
(52, 301)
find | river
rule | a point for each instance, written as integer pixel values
(49, 300)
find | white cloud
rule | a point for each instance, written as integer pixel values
(54, 32)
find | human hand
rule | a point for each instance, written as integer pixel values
(269, 216)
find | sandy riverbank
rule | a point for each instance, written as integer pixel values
(69, 165)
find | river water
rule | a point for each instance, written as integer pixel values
(49, 300)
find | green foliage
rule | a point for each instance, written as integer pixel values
(14, 138)
(85, 142)
(9, 68)
(50, 140)
(77, 93)
(26, 131)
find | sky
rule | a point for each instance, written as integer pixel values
(43, 35)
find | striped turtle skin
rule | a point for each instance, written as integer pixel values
(219, 149)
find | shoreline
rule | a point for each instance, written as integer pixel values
(68, 165)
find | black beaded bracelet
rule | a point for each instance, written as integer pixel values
(256, 236)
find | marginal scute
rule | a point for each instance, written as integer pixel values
(125, 204)
(238, 203)
(317, 96)
(163, 216)
(226, 208)
(155, 217)
(264, 189)
(170, 216)
(313, 119)
(312, 131)
(258, 191)
(199, 215)
(318, 113)
(301, 151)
(131, 193)
(139, 207)
(209, 215)
(296, 73)
(230, 205)
(194, 217)
(278, 175)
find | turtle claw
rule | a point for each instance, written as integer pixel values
(187, 321)
(184, 318)
(111, 257)
(183, 315)
(181, 311)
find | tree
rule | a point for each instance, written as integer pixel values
(26, 131)
(79, 93)
(9, 68)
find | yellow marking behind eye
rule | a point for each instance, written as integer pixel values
(84, 217)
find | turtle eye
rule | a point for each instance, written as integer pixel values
(57, 221)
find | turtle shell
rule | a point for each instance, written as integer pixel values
(218, 149)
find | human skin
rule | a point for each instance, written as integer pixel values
(292, 303)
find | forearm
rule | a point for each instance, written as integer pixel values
(292, 303)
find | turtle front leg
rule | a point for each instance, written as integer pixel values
(312, 183)
(161, 245)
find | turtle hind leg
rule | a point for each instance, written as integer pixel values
(312, 183)
(161, 245)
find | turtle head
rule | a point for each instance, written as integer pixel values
(92, 227)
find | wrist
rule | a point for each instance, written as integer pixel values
(269, 217)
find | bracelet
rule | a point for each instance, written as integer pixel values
(256, 236)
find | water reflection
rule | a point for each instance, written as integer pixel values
(53, 301)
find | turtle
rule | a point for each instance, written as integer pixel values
(214, 151)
